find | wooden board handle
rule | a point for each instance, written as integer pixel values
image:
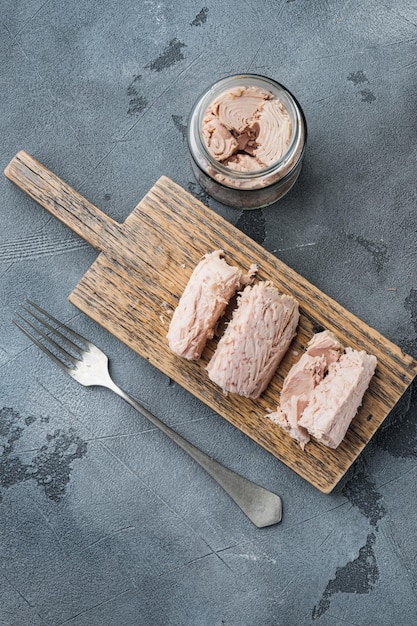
(62, 201)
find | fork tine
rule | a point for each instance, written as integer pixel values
(40, 345)
(53, 319)
(67, 355)
(53, 330)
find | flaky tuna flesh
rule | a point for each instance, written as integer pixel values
(256, 339)
(247, 122)
(220, 141)
(210, 287)
(236, 108)
(274, 133)
(336, 399)
(323, 349)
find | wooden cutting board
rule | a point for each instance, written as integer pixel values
(135, 284)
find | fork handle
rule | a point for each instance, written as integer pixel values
(261, 506)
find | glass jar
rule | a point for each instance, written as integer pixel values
(247, 189)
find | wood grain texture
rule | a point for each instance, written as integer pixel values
(62, 201)
(135, 284)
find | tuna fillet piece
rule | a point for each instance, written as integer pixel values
(220, 141)
(247, 129)
(274, 134)
(336, 399)
(256, 339)
(242, 163)
(209, 289)
(236, 108)
(323, 349)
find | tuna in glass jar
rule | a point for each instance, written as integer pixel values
(247, 136)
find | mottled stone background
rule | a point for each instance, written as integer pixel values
(103, 522)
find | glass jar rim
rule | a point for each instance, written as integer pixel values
(203, 101)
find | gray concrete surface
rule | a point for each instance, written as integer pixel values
(102, 521)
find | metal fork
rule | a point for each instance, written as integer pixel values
(88, 365)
